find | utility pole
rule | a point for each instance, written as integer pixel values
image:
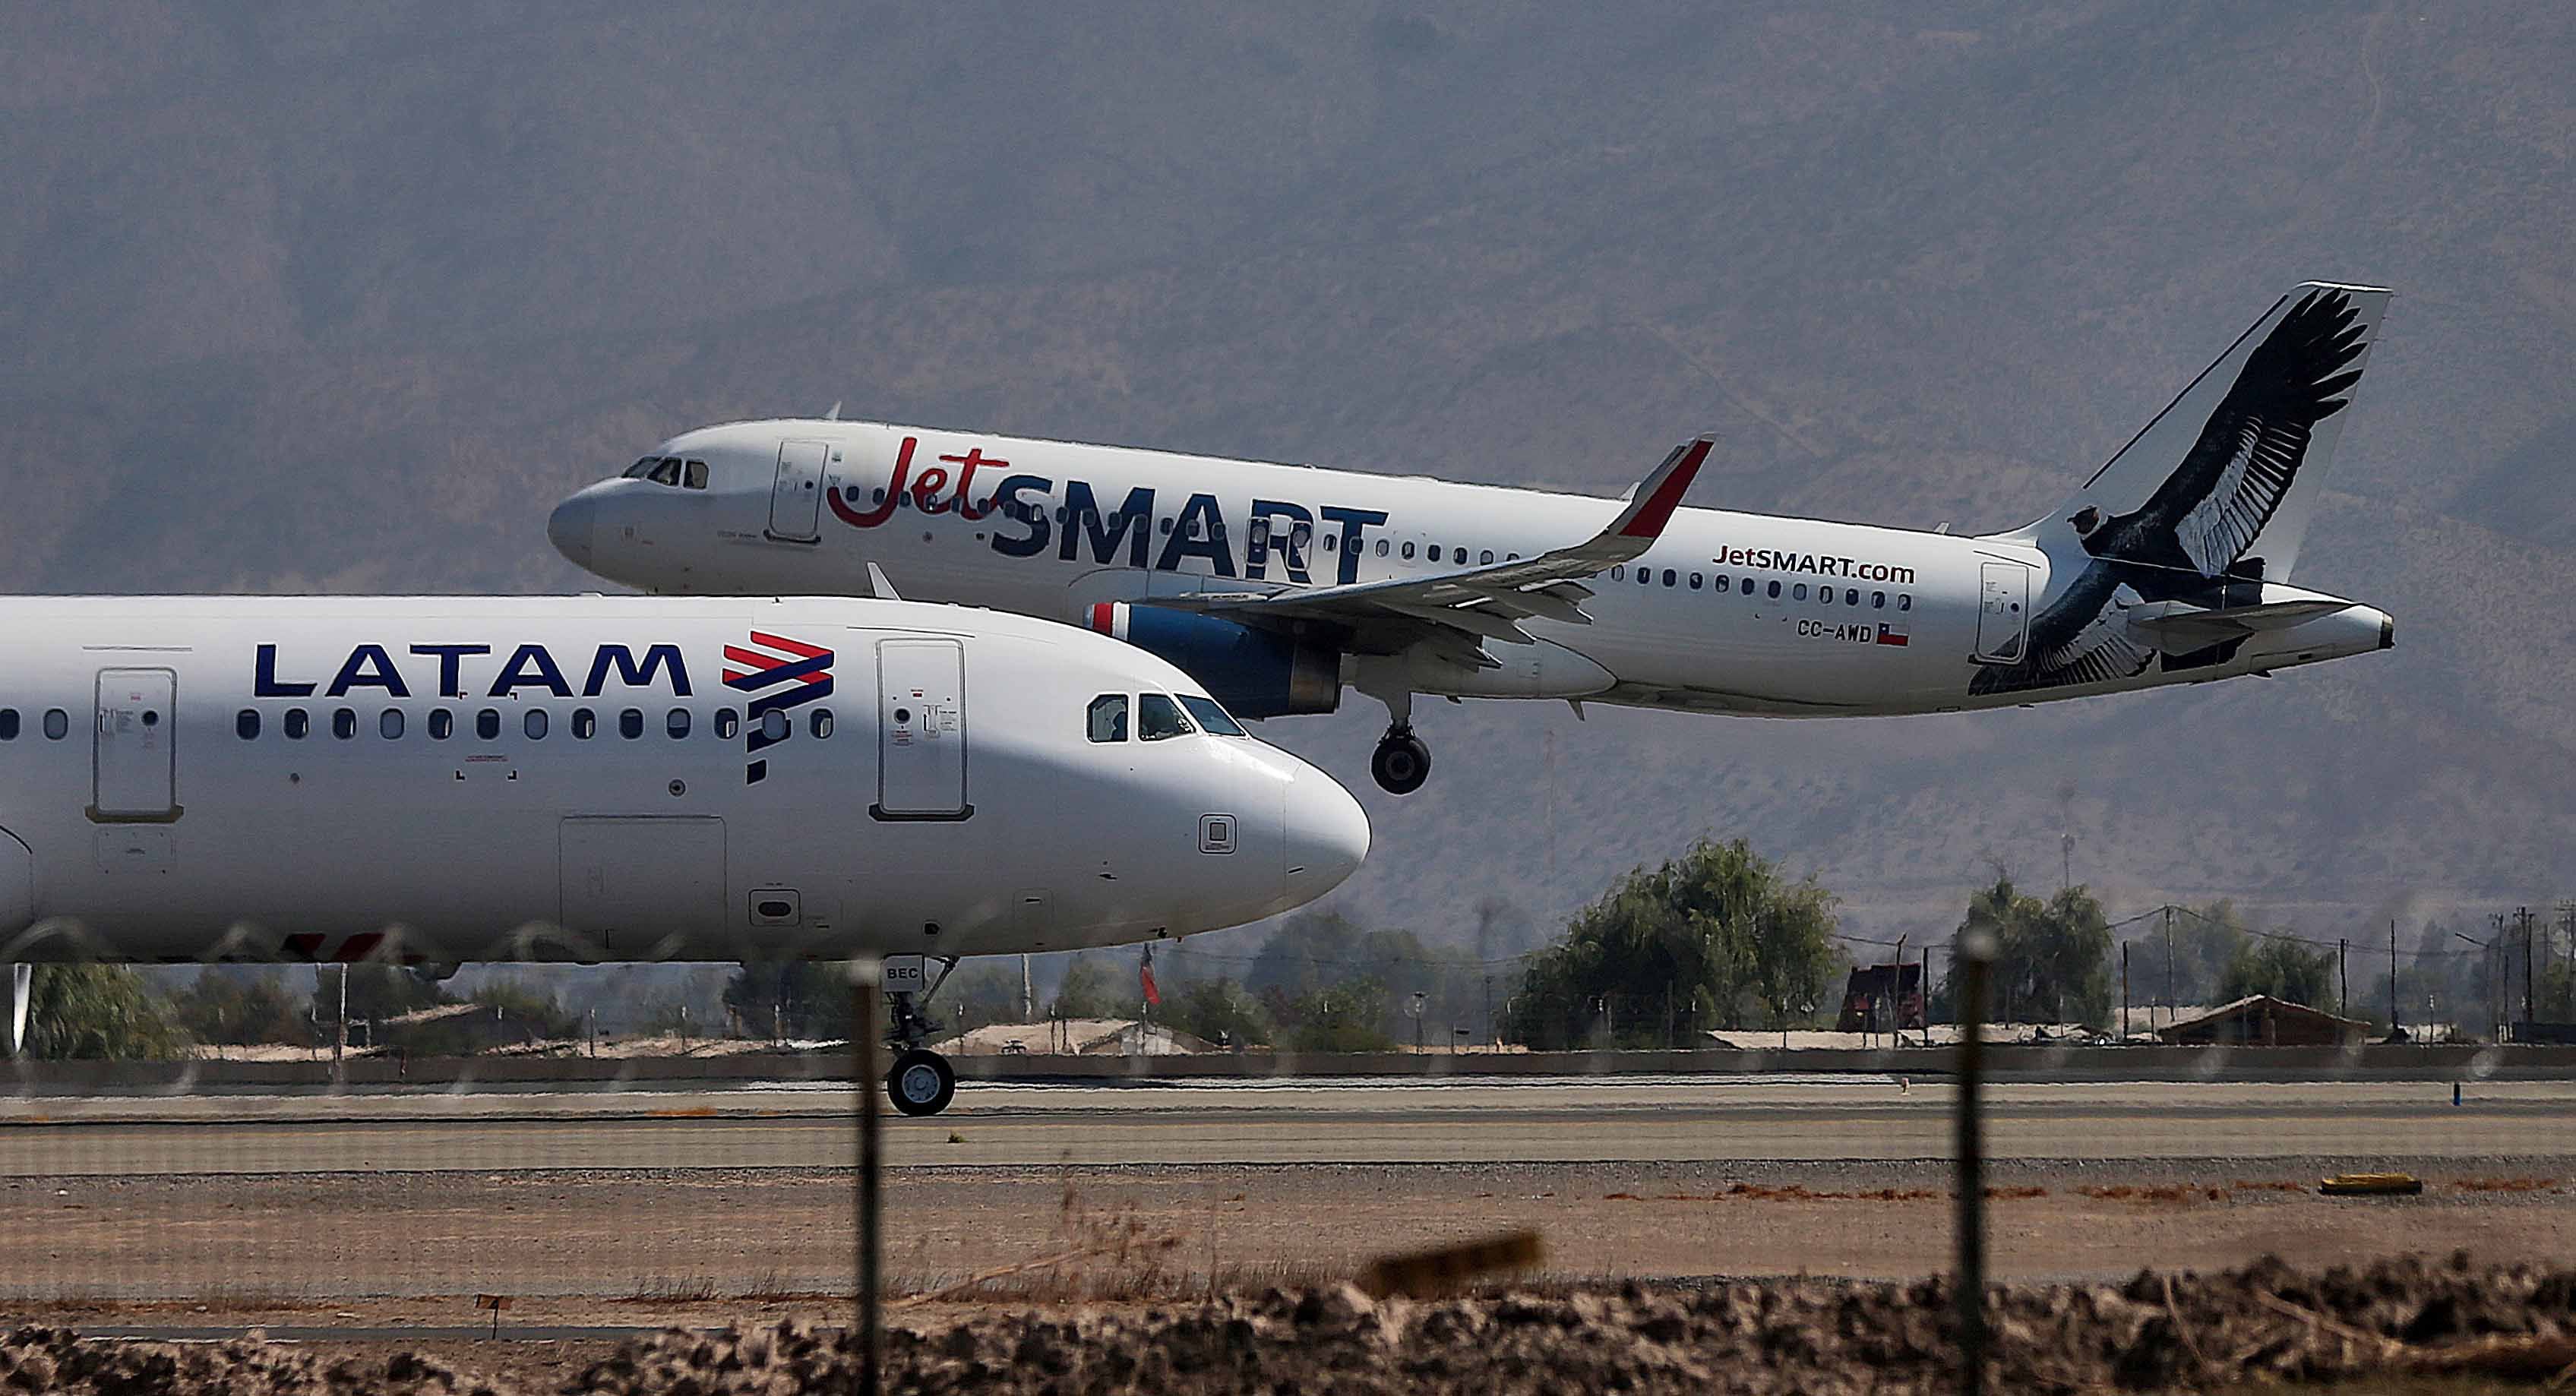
(2524, 914)
(1028, 995)
(2172, 1009)
(2393, 1000)
(2066, 862)
(341, 1045)
(1489, 1012)
(2343, 976)
(2124, 991)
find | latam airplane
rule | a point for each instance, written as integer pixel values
(431, 780)
(1279, 585)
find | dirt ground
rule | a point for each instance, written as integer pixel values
(705, 1247)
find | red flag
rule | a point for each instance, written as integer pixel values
(1145, 972)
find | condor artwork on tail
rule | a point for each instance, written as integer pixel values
(2190, 540)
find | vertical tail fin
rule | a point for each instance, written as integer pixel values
(2223, 481)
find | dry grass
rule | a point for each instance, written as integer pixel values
(2504, 1184)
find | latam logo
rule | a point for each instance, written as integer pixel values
(781, 674)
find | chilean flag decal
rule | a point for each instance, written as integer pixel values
(1891, 634)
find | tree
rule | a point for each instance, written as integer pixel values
(2271, 965)
(1091, 989)
(799, 998)
(1717, 938)
(981, 996)
(530, 1013)
(98, 1011)
(1215, 1010)
(227, 1005)
(2052, 958)
(1344, 1017)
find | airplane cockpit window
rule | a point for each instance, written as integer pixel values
(1158, 717)
(694, 475)
(1106, 719)
(666, 471)
(641, 468)
(297, 723)
(1212, 717)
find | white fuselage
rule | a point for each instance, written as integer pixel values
(1727, 612)
(444, 779)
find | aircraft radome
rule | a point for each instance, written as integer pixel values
(1279, 585)
(431, 780)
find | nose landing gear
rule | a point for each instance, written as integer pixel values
(1401, 763)
(922, 1082)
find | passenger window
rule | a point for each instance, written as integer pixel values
(1798, 592)
(677, 723)
(1484, 557)
(390, 724)
(8, 724)
(1381, 547)
(1773, 591)
(1905, 601)
(1408, 550)
(820, 724)
(1618, 573)
(1328, 541)
(727, 723)
(58, 724)
(1435, 552)
(585, 724)
(1645, 576)
(534, 724)
(297, 723)
(487, 724)
(696, 478)
(1106, 719)
(1694, 581)
(1158, 717)
(774, 725)
(1878, 601)
(344, 723)
(630, 723)
(1851, 596)
(1212, 717)
(245, 724)
(1668, 576)
(442, 724)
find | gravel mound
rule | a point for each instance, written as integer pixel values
(2154, 1333)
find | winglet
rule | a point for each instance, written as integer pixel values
(878, 586)
(1661, 492)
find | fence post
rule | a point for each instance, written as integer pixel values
(867, 979)
(1976, 955)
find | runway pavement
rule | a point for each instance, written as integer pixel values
(1409, 1121)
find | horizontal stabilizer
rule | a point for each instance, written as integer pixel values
(2174, 624)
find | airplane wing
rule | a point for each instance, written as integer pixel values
(1454, 612)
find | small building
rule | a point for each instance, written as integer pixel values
(2264, 1021)
(1883, 998)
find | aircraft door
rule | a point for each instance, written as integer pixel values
(796, 497)
(17, 885)
(921, 730)
(2003, 612)
(133, 768)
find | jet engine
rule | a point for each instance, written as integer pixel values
(1252, 671)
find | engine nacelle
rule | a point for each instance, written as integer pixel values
(1254, 672)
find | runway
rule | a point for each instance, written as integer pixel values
(1387, 1122)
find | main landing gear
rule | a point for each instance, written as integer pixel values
(921, 1083)
(1401, 763)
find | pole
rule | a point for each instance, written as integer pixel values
(340, 1046)
(2124, 992)
(1028, 995)
(2343, 977)
(2171, 1008)
(1489, 1012)
(2524, 913)
(2392, 977)
(1976, 952)
(867, 980)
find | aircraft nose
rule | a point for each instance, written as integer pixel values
(570, 527)
(1325, 835)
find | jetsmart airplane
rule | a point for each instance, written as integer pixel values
(1276, 585)
(432, 780)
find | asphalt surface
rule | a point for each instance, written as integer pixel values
(1624, 1119)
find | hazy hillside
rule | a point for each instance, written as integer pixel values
(341, 299)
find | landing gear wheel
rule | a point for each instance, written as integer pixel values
(921, 1082)
(1402, 762)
